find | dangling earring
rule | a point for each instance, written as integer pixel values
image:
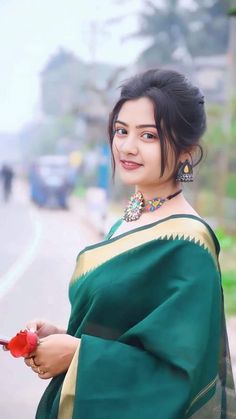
(185, 172)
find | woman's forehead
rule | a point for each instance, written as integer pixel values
(139, 110)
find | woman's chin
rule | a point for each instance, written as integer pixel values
(128, 180)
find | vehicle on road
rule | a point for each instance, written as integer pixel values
(51, 181)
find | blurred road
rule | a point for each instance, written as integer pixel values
(37, 257)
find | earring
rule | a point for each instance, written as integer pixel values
(185, 172)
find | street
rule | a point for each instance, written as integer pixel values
(38, 250)
(37, 253)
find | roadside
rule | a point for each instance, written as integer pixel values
(34, 284)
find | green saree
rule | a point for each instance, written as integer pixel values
(148, 307)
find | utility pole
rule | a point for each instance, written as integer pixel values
(232, 53)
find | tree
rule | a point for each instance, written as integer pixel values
(167, 30)
(209, 28)
(62, 82)
(178, 34)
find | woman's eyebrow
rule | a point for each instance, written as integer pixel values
(137, 126)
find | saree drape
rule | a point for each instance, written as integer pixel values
(148, 307)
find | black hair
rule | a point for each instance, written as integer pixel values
(178, 110)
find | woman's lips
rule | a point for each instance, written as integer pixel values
(128, 165)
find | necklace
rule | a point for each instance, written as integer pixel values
(137, 205)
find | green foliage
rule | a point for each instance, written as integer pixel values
(215, 111)
(231, 185)
(232, 11)
(229, 287)
(228, 247)
(215, 135)
(80, 191)
(233, 128)
(220, 139)
(226, 241)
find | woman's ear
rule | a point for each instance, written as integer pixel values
(187, 155)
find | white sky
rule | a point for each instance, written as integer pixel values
(32, 30)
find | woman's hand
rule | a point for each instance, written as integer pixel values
(43, 328)
(53, 355)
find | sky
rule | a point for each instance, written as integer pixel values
(32, 30)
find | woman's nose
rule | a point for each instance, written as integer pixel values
(129, 145)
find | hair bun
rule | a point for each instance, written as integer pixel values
(202, 101)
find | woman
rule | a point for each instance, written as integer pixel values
(146, 337)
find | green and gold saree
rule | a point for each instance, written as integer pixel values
(148, 307)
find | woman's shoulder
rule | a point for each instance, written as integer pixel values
(190, 227)
(176, 237)
(194, 228)
(188, 234)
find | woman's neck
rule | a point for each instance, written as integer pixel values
(160, 191)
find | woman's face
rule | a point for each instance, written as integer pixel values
(136, 146)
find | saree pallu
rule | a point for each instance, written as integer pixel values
(148, 307)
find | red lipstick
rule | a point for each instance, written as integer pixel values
(130, 165)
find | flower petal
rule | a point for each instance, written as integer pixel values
(24, 343)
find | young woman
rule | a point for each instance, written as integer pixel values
(146, 338)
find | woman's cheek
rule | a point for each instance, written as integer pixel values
(115, 150)
(153, 164)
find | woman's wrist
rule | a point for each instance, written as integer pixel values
(73, 345)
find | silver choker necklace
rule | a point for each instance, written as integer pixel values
(137, 205)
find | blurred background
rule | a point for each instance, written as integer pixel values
(61, 64)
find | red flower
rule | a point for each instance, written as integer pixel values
(23, 344)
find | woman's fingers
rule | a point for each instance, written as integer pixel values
(41, 371)
(37, 369)
(45, 376)
(33, 326)
(27, 362)
(42, 327)
(31, 362)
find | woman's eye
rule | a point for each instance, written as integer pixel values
(120, 131)
(148, 136)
